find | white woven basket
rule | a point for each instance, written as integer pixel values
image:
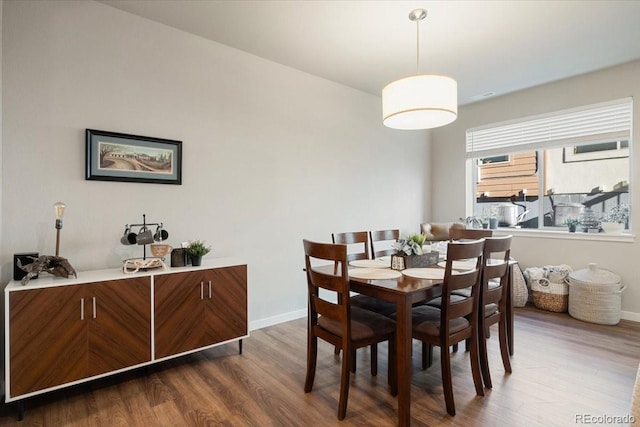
(596, 302)
(519, 291)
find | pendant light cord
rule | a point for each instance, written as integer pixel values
(417, 15)
(417, 46)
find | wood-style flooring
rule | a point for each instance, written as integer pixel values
(562, 369)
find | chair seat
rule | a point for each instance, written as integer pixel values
(466, 292)
(366, 302)
(490, 309)
(426, 320)
(437, 302)
(365, 324)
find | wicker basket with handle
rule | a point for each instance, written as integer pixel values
(595, 295)
(550, 296)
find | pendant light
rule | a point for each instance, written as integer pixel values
(421, 101)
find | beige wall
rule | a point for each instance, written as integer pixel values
(271, 155)
(448, 171)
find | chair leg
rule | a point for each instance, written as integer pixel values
(312, 354)
(392, 369)
(484, 359)
(454, 348)
(353, 361)
(374, 360)
(504, 345)
(475, 364)
(445, 365)
(344, 384)
(427, 355)
(336, 350)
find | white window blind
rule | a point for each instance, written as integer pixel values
(602, 122)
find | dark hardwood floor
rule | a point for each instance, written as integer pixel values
(562, 368)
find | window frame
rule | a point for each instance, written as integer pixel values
(620, 131)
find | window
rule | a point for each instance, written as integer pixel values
(493, 160)
(603, 150)
(535, 172)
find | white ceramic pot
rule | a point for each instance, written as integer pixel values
(612, 227)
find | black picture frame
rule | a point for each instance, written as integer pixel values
(112, 156)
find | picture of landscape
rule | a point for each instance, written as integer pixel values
(131, 158)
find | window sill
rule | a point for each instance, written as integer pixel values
(565, 235)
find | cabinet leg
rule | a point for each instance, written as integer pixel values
(240, 346)
(20, 405)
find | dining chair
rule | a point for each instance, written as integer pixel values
(336, 322)
(462, 234)
(367, 302)
(457, 318)
(493, 301)
(354, 239)
(384, 237)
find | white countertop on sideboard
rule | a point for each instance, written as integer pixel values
(45, 280)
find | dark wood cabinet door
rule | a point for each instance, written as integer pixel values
(226, 308)
(119, 313)
(178, 309)
(48, 338)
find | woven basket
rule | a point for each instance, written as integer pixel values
(596, 302)
(550, 296)
(519, 291)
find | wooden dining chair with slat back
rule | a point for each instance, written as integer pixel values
(456, 320)
(358, 241)
(354, 239)
(338, 323)
(380, 242)
(370, 303)
(461, 234)
(493, 301)
(366, 302)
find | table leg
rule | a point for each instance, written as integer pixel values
(404, 339)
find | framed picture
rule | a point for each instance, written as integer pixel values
(132, 158)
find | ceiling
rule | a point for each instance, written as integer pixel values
(490, 47)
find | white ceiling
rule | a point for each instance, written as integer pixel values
(487, 46)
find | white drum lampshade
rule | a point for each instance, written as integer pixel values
(422, 101)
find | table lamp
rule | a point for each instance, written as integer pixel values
(59, 207)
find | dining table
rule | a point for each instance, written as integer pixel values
(405, 288)
(404, 291)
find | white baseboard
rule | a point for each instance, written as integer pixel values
(281, 318)
(630, 315)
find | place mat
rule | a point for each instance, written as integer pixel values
(374, 273)
(425, 273)
(460, 265)
(383, 262)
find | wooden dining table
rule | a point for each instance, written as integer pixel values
(405, 291)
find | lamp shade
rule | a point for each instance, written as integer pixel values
(423, 101)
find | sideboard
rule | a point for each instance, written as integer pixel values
(61, 332)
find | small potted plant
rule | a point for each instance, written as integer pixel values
(572, 222)
(616, 219)
(196, 250)
(411, 254)
(472, 221)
